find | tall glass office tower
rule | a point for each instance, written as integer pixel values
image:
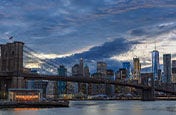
(127, 66)
(155, 64)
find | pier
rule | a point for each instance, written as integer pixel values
(42, 104)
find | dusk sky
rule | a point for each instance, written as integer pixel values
(96, 30)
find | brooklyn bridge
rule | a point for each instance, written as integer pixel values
(13, 74)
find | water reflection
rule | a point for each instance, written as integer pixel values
(24, 109)
(102, 108)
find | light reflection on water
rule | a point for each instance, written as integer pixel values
(102, 108)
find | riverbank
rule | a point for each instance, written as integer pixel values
(34, 104)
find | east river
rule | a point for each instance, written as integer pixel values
(102, 108)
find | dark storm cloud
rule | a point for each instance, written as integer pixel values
(138, 32)
(101, 53)
(63, 26)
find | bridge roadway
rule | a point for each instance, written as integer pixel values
(32, 76)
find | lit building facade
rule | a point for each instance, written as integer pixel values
(167, 68)
(25, 95)
(136, 69)
(155, 64)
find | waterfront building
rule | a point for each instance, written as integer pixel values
(174, 71)
(50, 90)
(25, 95)
(127, 66)
(98, 88)
(42, 85)
(36, 84)
(72, 88)
(136, 69)
(109, 88)
(62, 85)
(155, 64)
(167, 68)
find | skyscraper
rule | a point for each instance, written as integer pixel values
(155, 64)
(127, 66)
(78, 70)
(75, 73)
(109, 87)
(86, 71)
(62, 71)
(81, 67)
(75, 70)
(137, 69)
(167, 68)
(101, 68)
(174, 71)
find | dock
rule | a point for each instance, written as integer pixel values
(43, 104)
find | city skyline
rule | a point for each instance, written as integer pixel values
(106, 30)
(87, 57)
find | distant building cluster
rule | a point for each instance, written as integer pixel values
(129, 72)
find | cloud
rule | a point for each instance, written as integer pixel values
(118, 50)
(100, 53)
(63, 26)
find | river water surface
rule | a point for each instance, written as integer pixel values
(102, 108)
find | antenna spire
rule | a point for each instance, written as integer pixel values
(155, 44)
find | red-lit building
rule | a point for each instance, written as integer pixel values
(25, 95)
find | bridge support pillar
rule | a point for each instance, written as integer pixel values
(148, 95)
(4, 84)
(17, 82)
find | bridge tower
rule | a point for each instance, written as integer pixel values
(11, 61)
(148, 81)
